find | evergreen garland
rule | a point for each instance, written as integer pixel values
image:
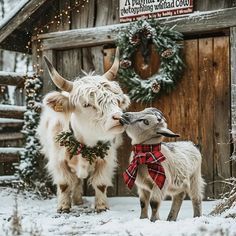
(141, 34)
(73, 147)
(31, 167)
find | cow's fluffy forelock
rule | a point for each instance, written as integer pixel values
(104, 95)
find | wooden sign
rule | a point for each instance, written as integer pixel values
(131, 10)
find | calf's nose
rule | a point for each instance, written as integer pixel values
(124, 119)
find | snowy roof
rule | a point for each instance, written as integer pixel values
(12, 13)
(20, 21)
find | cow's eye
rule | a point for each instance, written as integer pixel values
(145, 121)
(86, 105)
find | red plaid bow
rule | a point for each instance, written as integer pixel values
(152, 157)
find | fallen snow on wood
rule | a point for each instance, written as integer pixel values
(4, 178)
(122, 219)
(8, 150)
(10, 120)
(14, 75)
(12, 108)
(13, 12)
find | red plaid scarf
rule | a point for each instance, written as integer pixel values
(152, 157)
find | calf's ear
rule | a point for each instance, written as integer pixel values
(167, 133)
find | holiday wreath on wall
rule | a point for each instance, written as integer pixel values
(166, 41)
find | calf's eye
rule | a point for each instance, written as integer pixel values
(146, 122)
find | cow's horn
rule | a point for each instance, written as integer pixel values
(111, 73)
(58, 80)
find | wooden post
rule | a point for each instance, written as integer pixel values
(221, 75)
(233, 95)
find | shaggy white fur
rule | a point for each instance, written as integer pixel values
(182, 165)
(93, 106)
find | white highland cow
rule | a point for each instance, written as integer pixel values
(91, 108)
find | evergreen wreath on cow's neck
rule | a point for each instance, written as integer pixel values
(74, 147)
(166, 41)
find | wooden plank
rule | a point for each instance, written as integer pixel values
(202, 22)
(12, 143)
(80, 37)
(206, 115)
(203, 5)
(97, 59)
(233, 94)
(19, 96)
(84, 19)
(222, 166)
(11, 139)
(180, 106)
(63, 19)
(113, 14)
(10, 111)
(87, 59)
(11, 123)
(222, 112)
(189, 84)
(103, 14)
(107, 12)
(10, 154)
(69, 63)
(13, 78)
(11, 136)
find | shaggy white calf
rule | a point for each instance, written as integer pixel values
(161, 168)
(91, 107)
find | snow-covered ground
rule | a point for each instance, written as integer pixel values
(122, 219)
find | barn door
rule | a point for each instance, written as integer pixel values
(198, 109)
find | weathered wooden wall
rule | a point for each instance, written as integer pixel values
(11, 122)
(207, 5)
(199, 107)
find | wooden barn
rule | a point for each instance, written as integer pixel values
(81, 34)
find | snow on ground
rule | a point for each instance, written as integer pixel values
(121, 220)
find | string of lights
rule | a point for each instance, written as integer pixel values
(61, 18)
